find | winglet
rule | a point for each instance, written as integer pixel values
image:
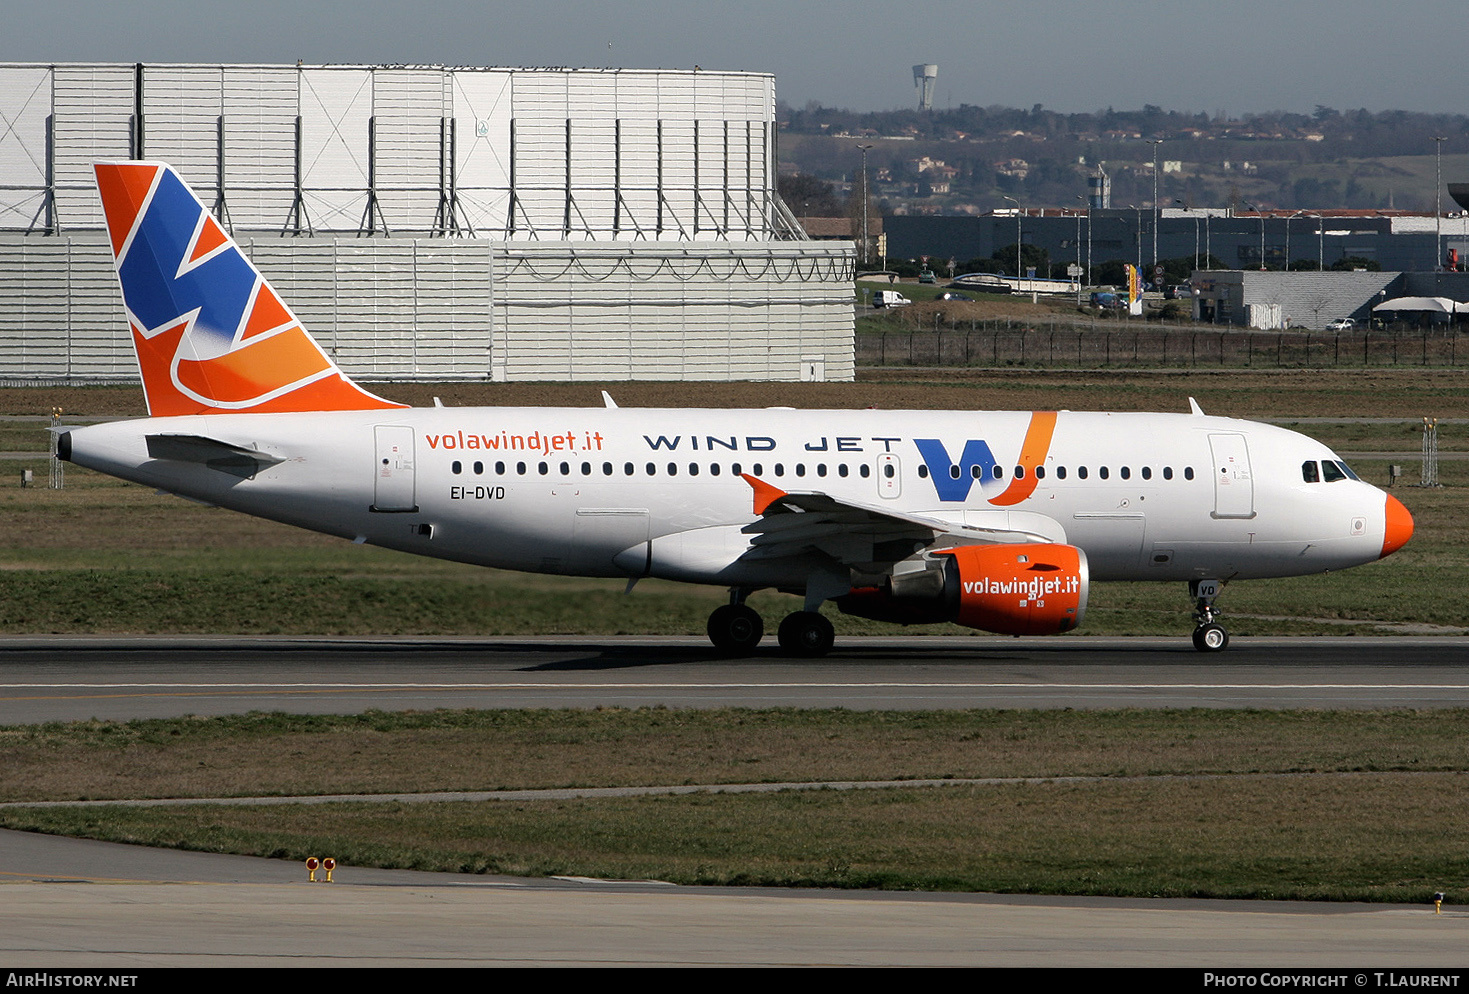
(608, 401)
(1194, 408)
(765, 494)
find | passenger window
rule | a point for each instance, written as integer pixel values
(922, 471)
(693, 469)
(520, 468)
(889, 471)
(1019, 472)
(1126, 473)
(652, 469)
(865, 470)
(1309, 473)
(479, 469)
(842, 470)
(455, 467)
(1188, 472)
(821, 469)
(999, 471)
(1040, 472)
(800, 469)
(543, 468)
(1167, 472)
(566, 469)
(606, 469)
(1060, 472)
(628, 469)
(1081, 472)
(1147, 472)
(714, 469)
(780, 469)
(499, 469)
(586, 469)
(1102, 472)
(673, 469)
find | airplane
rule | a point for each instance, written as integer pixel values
(996, 520)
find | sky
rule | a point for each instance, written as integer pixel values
(1235, 56)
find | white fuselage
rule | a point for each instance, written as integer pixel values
(632, 492)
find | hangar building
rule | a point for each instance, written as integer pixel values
(435, 223)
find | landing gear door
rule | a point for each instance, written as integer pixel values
(1234, 487)
(889, 476)
(393, 487)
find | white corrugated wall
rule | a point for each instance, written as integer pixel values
(620, 217)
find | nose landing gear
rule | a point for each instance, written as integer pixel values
(1209, 635)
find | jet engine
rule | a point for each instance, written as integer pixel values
(1032, 589)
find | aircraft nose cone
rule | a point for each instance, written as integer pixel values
(1398, 526)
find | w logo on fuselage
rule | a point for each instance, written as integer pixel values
(953, 480)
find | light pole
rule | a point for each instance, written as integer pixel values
(1438, 141)
(864, 149)
(1088, 207)
(1196, 230)
(1320, 241)
(1261, 215)
(1287, 238)
(1155, 142)
(1017, 239)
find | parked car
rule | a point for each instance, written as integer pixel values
(1341, 324)
(889, 298)
(951, 295)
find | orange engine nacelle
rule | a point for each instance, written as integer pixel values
(1020, 589)
(1009, 589)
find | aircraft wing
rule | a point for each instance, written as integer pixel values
(871, 538)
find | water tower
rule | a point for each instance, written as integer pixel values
(923, 78)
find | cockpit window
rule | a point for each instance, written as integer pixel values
(1347, 470)
(1309, 472)
(1331, 472)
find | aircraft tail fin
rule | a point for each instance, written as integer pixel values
(211, 335)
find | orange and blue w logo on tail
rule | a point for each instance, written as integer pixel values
(210, 334)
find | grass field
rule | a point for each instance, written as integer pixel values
(1311, 805)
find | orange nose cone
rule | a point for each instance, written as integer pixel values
(1398, 526)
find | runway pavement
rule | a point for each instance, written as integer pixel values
(69, 903)
(71, 678)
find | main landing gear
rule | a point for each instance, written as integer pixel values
(1209, 635)
(736, 628)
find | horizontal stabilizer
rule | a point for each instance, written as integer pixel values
(235, 460)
